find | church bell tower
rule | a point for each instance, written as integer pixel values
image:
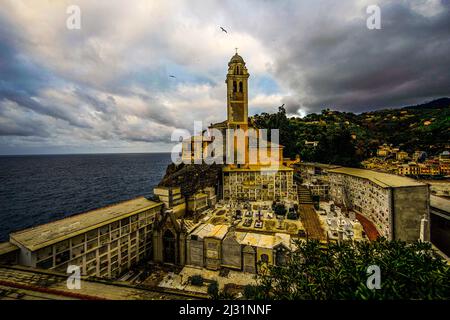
(237, 92)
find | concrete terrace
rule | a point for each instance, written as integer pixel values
(270, 224)
(7, 247)
(53, 232)
(384, 180)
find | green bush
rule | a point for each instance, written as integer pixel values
(196, 280)
(250, 291)
(340, 271)
(213, 289)
(292, 215)
(280, 209)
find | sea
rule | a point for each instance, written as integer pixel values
(38, 189)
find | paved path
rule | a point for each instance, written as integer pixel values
(311, 222)
(369, 228)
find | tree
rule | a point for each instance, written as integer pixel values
(316, 201)
(281, 122)
(333, 130)
(251, 292)
(292, 214)
(336, 147)
(216, 294)
(196, 280)
(408, 271)
(213, 289)
(280, 209)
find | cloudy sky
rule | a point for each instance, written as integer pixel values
(107, 86)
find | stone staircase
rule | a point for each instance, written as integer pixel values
(304, 195)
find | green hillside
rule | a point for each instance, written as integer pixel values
(346, 138)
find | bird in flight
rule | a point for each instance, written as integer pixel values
(172, 76)
(223, 30)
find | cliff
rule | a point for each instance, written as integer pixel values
(191, 177)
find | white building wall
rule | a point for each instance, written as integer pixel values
(365, 197)
(102, 252)
(258, 186)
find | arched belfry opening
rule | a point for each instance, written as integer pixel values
(234, 86)
(240, 86)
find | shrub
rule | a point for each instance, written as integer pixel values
(213, 289)
(408, 271)
(280, 209)
(196, 280)
(250, 291)
(274, 203)
(292, 215)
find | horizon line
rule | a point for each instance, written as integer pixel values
(78, 153)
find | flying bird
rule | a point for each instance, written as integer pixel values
(172, 76)
(223, 30)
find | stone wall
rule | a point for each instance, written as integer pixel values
(411, 204)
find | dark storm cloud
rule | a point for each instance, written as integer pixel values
(19, 77)
(108, 83)
(346, 66)
(22, 79)
(22, 128)
(23, 100)
(16, 71)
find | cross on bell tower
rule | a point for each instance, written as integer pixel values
(237, 92)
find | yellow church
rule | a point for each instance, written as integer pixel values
(253, 166)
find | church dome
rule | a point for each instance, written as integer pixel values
(236, 59)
